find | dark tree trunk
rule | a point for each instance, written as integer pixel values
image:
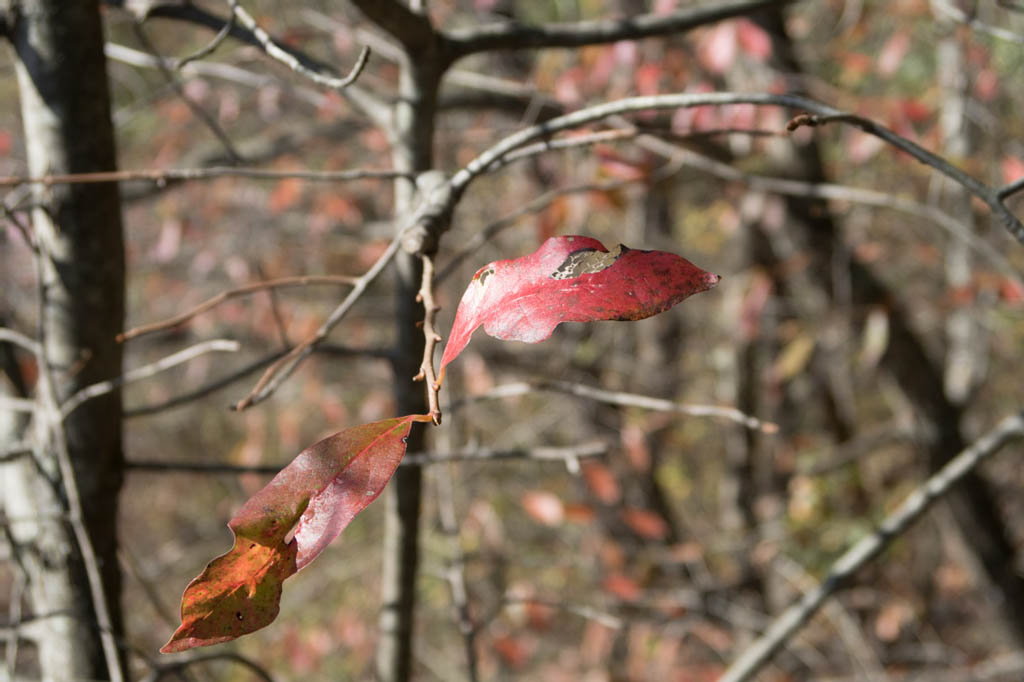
(65, 107)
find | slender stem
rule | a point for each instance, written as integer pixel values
(223, 296)
(430, 339)
(275, 51)
(145, 372)
(624, 399)
(278, 372)
(162, 176)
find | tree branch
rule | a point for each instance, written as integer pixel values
(542, 454)
(278, 372)
(223, 296)
(369, 103)
(624, 399)
(241, 373)
(430, 339)
(510, 35)
(895, 524)
(434, 212)
(164, 176)
(146, 371)
(289, 59)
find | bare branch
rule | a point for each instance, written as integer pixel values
(895, 524)
(1012, 188)
(542, 454)
(289, 59)
(145, 372)
(17, 404)
(241, 373)
(369, 103)
(162, 176)
(220, 70)
(433, 219)
(959, 16)
(13, 449)
(223, 296)
(209, 48)
(624, 399)
(178, 666)
(19, 339)
(278, 372)
(430, 339)
(823, 190)
(509, 35)
(200, 113)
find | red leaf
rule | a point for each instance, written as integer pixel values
(571, 279)
(544, 507)
(601, 482)
(286, 525)
(646, 523)
(892, 53)
(753, 39)
(1012, 169)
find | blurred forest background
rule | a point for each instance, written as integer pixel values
(869, 307)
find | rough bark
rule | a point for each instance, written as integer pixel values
(65, 108)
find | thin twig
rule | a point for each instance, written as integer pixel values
(146, 371)
(825, 190)
(430, 339)
(542, 454)
(241, 373)
(275, 51)
(213, 302)
(19, 339)
(623, 399)
(201, 113)
(895, 524)
(210, 47)
(174, 667)
(819, 113)
(162, 176)
(13, 404)
(278, 372)
(1014, 187)
(14, 449)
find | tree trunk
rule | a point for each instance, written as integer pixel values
(65, 108)
(413, 136)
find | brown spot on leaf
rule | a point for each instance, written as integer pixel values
(484, 273)
(587, 261)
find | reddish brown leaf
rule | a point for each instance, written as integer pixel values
(646, 523)
(286, 525)
(286, 193)
(622, 586)
(571, 279)
(602, 482)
